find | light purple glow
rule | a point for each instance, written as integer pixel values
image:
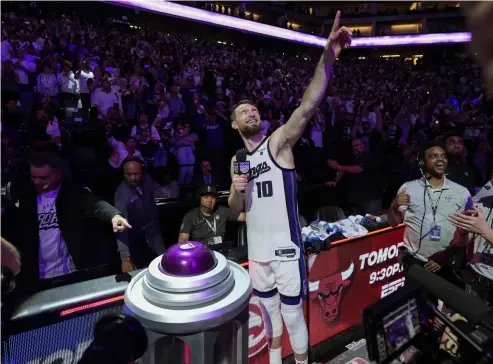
(187, 12)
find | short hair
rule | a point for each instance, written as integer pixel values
(453, 133)
(237, 105)
(428, 145)
(133, 159)
(126, 139)
(41, 159)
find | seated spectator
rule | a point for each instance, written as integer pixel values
(135, 198)
(207, 223)
(206, 176)
(52, 237)
(164, 186)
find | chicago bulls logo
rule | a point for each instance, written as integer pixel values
(329, 291)
(257, 328)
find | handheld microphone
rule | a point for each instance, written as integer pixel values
(241, 165)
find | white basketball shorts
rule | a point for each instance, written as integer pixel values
(281, 275)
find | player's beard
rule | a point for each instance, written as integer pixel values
(249, 130)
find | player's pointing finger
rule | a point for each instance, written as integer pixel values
(335, 26)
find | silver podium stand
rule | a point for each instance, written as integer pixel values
(194, 297)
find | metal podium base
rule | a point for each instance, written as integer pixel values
(192, 300)
(227, 344)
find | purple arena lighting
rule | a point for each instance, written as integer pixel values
(187, 259)
(191, 13)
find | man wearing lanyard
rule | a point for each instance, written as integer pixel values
(207, 223)
(424, 206)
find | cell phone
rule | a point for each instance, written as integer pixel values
(469, 204)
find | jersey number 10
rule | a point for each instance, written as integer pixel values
(264, 189)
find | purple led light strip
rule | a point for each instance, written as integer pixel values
(187, 12)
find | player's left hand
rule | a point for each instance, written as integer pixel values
(472, 222)
(431, 266)
(339, 38)
(120, 224)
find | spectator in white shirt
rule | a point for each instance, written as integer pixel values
(104, 99)
(83, 74)
(121, 150)
(69, 85)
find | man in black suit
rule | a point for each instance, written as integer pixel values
(206, 177)
(51, 231)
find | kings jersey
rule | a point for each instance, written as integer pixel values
(271, 206)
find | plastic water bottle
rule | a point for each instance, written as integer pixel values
(323, 226)
(314, 225)
(312, 236)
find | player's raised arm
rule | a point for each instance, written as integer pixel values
(339, 38)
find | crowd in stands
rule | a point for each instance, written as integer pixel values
(98, 94)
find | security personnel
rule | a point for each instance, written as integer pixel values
(207, 223)
(424, 205)
(475, 231)
(134, 197)
(459, 170)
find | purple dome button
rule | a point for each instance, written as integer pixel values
(188, 258)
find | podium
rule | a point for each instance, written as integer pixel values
(192, 297)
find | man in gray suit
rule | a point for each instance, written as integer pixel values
(135, 199)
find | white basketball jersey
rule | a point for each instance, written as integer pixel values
(271, 206)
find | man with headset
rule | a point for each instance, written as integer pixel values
(134, 197)
(424, 205)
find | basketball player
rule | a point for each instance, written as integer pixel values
(268, 197)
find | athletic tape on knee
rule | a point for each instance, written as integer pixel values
(296, 325)
(272, 315)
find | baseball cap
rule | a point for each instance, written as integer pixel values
(207, 190)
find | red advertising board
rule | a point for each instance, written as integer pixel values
(343, 281)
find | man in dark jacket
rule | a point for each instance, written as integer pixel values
(135, 198)
(51, 223)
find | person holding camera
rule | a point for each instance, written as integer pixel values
(424, 206)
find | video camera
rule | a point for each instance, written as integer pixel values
(409, 321)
